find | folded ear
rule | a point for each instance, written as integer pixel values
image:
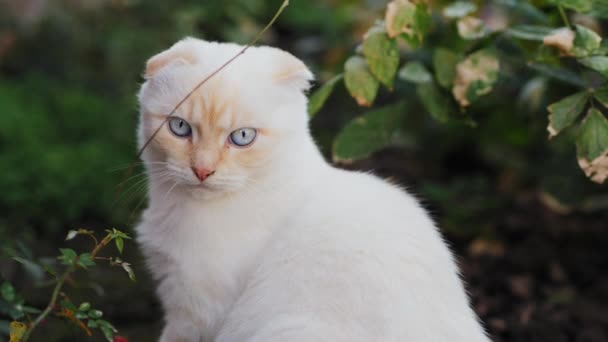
(292, 72)
(182, 52)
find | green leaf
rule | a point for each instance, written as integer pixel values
(459, 9)
(529, 32)
(81, 315)
(95, 314)
(382, 55)
(400, 17)
(66, 303)
(411, 21)
(119, 244)
(8, 291)
(103, 323)
(92, 324)
(107, 329)
(415, 72)
(317, 100)
(127, 267)
(85, 306)
(30, 310)
(586, 42)
(114, 233)
(592, 146)
(558, 73)
(49, 269)
(85, 260)
(444, 62)
(597, 63)
(602, 95)
(564, 112)
(67, 256)
(592, 140)
(475, 76)
(577, 5)
(367, 133)
(359, 81)
(35, 270)
(434, 101)
(599, 9)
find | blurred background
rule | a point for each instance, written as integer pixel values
(529, 229)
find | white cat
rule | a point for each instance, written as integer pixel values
(252, 236)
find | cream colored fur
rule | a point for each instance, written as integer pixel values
(278, 245)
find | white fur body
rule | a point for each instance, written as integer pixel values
(307, 252)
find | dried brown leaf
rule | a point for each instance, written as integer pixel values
(597, 169)
(562, 39)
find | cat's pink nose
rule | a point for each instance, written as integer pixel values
(202, 173)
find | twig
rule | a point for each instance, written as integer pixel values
(59, 285)
(51, 304)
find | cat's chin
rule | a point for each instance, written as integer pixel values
(204, 191)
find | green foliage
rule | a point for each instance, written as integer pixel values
(476, 55)
(317, 100)
(368, 133)
(359, 81)
(564, 112)
(381, 54)
(84, 316)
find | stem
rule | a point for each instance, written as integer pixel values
(101, 245)
(59, 285)
(51, 304)
(203, 81)
(562, 12)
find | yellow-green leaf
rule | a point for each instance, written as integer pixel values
(564, 112)
(382, 55)
(409, 19)
(400, 17)
(530, 32)
(415, 72)
(475, 76)
(317, 100)
(597, 63)
(368, 133)
(434, 101)
(459, 9)
(444, 62)
(359, 81)
(592, 146)
(586, 42)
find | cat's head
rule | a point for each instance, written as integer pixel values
(235, 128)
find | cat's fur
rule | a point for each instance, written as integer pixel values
(277, 245)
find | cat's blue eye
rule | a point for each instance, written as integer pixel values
(243, 136)
(180, 127)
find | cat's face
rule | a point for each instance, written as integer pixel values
(234, 129)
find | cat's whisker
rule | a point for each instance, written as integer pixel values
(138, 185)
(171, 188)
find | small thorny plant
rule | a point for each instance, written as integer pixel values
(481, 41)
(25, 319)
